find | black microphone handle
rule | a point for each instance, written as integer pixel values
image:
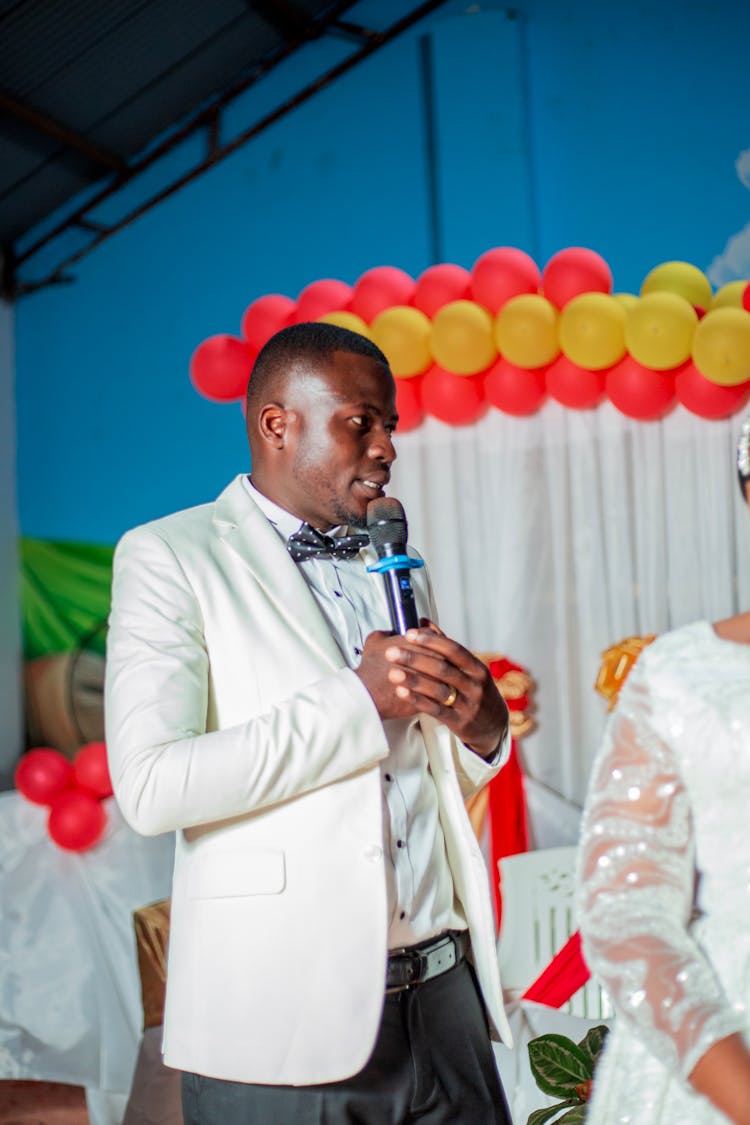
(401, 602)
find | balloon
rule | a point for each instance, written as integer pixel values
(627, 300)
(681, 278)
(220, 367)
(409, 404)
(638, 392)
(91, 770)
(729, 295)
(574, 386)
(721, 346)
(440, 284)
(706, 399)
(320, 297)
(514, 390)
(454, 399)
(502, 273)
(403, 334)
(659, 330)
(526, 331)
(348, 320)
(573, 271)
(746, 297)
(76, 820)
(592, 330)
(42, 774)
(462, 338)
(265, 317)
(378, 289)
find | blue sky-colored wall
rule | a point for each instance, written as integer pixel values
(621, 127)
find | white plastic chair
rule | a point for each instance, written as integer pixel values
(538, 917)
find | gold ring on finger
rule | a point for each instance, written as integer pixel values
(451, 699)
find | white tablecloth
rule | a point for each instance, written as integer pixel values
(70, 1000)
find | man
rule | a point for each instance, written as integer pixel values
(314, 768)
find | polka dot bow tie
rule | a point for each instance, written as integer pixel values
(309, 543)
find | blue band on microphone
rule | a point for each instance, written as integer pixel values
(395, 562)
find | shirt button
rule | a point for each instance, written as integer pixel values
(357, 651)
(337, 593)
(399, 843)
(388, 777)
(373, 853)
(402, 915)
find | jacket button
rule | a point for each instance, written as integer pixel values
(373, 853)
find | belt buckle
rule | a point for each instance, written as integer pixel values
(430, 962)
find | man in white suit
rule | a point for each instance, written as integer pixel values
(332, 953)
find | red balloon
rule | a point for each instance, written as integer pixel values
(639, 392)
(514, 390)
(573, 271)
(455, 399)
(321, 297)
(706, 399)
(746, 297)
(76, 820)
(574, 386)
(220, 367)
(380, 288)
(502, 273)
(409, 403)
(439, 285)
(91, 770)
(265, 317)
(42, 774)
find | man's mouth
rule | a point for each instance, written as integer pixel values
(373, 486)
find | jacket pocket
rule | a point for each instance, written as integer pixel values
(256, 871)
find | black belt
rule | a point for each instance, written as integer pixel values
(419, 963)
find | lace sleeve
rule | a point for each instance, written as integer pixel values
(635, 892)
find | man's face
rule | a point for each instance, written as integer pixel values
(340, 415)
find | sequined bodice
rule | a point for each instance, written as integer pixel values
(664, 868)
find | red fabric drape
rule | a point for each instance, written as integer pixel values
(508, 822)
(565, 974)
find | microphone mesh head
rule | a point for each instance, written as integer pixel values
(386, 524)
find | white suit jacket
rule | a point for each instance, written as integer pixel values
(232, 719)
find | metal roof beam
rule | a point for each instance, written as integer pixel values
(61, 133)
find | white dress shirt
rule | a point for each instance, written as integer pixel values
(421, 897)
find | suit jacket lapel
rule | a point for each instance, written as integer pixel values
(244, 529)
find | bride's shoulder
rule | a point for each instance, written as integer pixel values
(735, 629)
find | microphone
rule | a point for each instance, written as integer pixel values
(386, 524)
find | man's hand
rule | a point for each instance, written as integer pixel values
(425, 671)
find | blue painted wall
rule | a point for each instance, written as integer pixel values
(620, 127)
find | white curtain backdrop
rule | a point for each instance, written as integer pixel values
(551, 537)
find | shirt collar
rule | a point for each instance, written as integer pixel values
(284, 522)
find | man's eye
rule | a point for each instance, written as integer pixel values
(359, 420)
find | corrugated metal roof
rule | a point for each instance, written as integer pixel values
(86, 84)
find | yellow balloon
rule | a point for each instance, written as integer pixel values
(403, 333)
(526, 331)
(349, 320)
(627, 300)
(730, 295)
(721, 346)
(592, 330)
(462, 338)
(681, 278)
(659, 330)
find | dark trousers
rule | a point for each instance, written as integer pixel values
(432, 1064)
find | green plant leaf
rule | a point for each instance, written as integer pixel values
(593, 1041)
(539, 1116)
(574, 1116)
(558, 1064)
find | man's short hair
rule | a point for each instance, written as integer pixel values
(309, 340)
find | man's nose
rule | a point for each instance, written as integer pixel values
(382, 447)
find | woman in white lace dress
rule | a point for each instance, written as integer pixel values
(664, 879)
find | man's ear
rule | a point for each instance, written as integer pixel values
(272, 424)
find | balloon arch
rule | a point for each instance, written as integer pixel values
(508, 335)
